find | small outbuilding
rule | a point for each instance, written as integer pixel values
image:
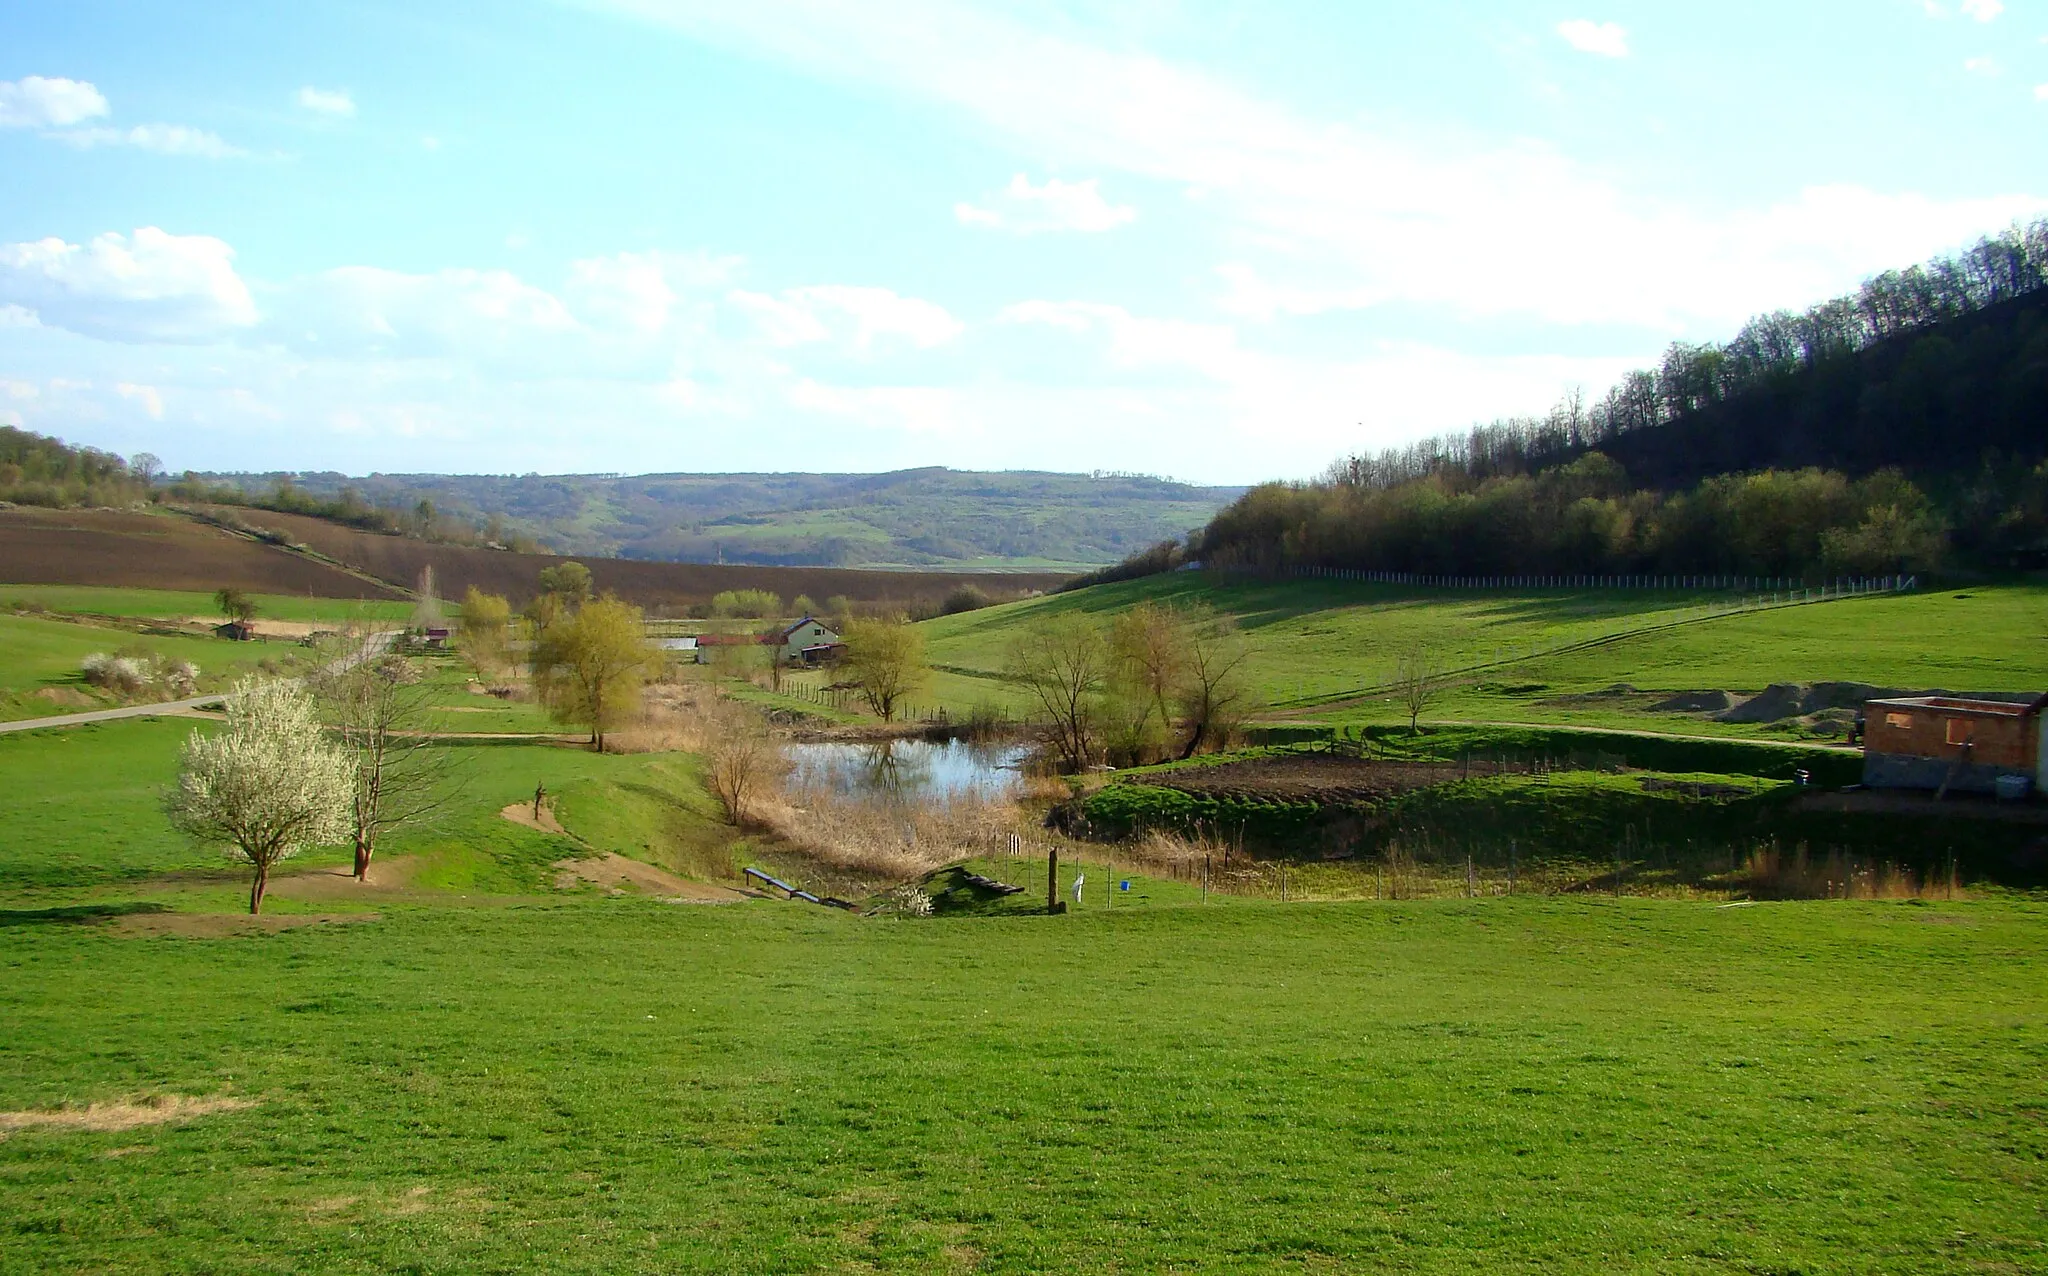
(1955, 744)
(234, 631)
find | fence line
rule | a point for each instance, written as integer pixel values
(1841, 586)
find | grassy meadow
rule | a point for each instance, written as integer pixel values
(1315, 643)
(620, 1085)
(179, 604)
(478, 1062)
(40, 659)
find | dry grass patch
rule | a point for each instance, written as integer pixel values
(224, 925)
(162, 1109)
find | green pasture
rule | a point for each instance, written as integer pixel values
(177, 604)
(38, 654)
(607, 1085)
(1314, 641)
(87, 820)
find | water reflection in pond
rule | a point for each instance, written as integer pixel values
(910, 770)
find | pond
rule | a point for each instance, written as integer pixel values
(910, 770)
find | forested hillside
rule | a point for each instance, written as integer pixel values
(37, 470)
(923, 517)
(1900, 428)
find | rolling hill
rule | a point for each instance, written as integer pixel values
(932, 517)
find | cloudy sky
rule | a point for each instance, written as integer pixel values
(1220, 241)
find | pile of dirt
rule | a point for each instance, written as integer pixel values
(1695, 702)
(1774, 703)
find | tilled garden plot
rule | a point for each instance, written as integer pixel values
(1330, 780)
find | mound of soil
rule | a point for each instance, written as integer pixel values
(1696, 702)
(1779, 700)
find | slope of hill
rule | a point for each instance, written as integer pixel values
(164, 549)
(666, 587)
(932, 517)
(1902, 428)
(160, 550)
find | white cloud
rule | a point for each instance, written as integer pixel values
(151, 401)
(856, 317)
(1055, 206)
(152, 287)
(1983, 10)
(2041, 92)
(1987, 67)
(1339, 214)
(38, 102)
(164, 139)
(365, 311)
(336, 102)
(1207, 349)
(1607, 39)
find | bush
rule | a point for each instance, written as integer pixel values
(746, 604)
(964, 598)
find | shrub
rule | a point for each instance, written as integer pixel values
(746, 604)
(964, 598)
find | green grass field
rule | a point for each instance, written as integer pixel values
(39, 655)
(175, 604)
(1314, 641)
(616, 1085)
(499, 1074)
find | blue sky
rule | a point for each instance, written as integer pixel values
(1221, 241)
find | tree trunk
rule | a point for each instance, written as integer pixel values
(365, 848)
(257, 888)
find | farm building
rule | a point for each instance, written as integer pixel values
(1954, 744)
(809, 642)
(234, 631)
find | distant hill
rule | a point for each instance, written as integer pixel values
(935, 517)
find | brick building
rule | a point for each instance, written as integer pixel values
(1955, 743)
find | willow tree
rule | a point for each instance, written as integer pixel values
(268, 785)
(590, 665)
(886, 659)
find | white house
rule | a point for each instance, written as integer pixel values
(809, 642)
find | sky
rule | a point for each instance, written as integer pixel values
(1223, 242)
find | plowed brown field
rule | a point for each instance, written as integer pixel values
(158, 551)
(649, 584)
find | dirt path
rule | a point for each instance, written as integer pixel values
(616, 872)
(167, 708)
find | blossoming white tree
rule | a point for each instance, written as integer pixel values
(267, 786)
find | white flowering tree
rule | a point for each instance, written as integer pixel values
(267, 786)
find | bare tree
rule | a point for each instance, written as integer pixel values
(1416, 682)
(1062, 661)
(268, 785)
(747, 763)
(381, 710)
(1214, 691)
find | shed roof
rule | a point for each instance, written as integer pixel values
(1971, 705)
